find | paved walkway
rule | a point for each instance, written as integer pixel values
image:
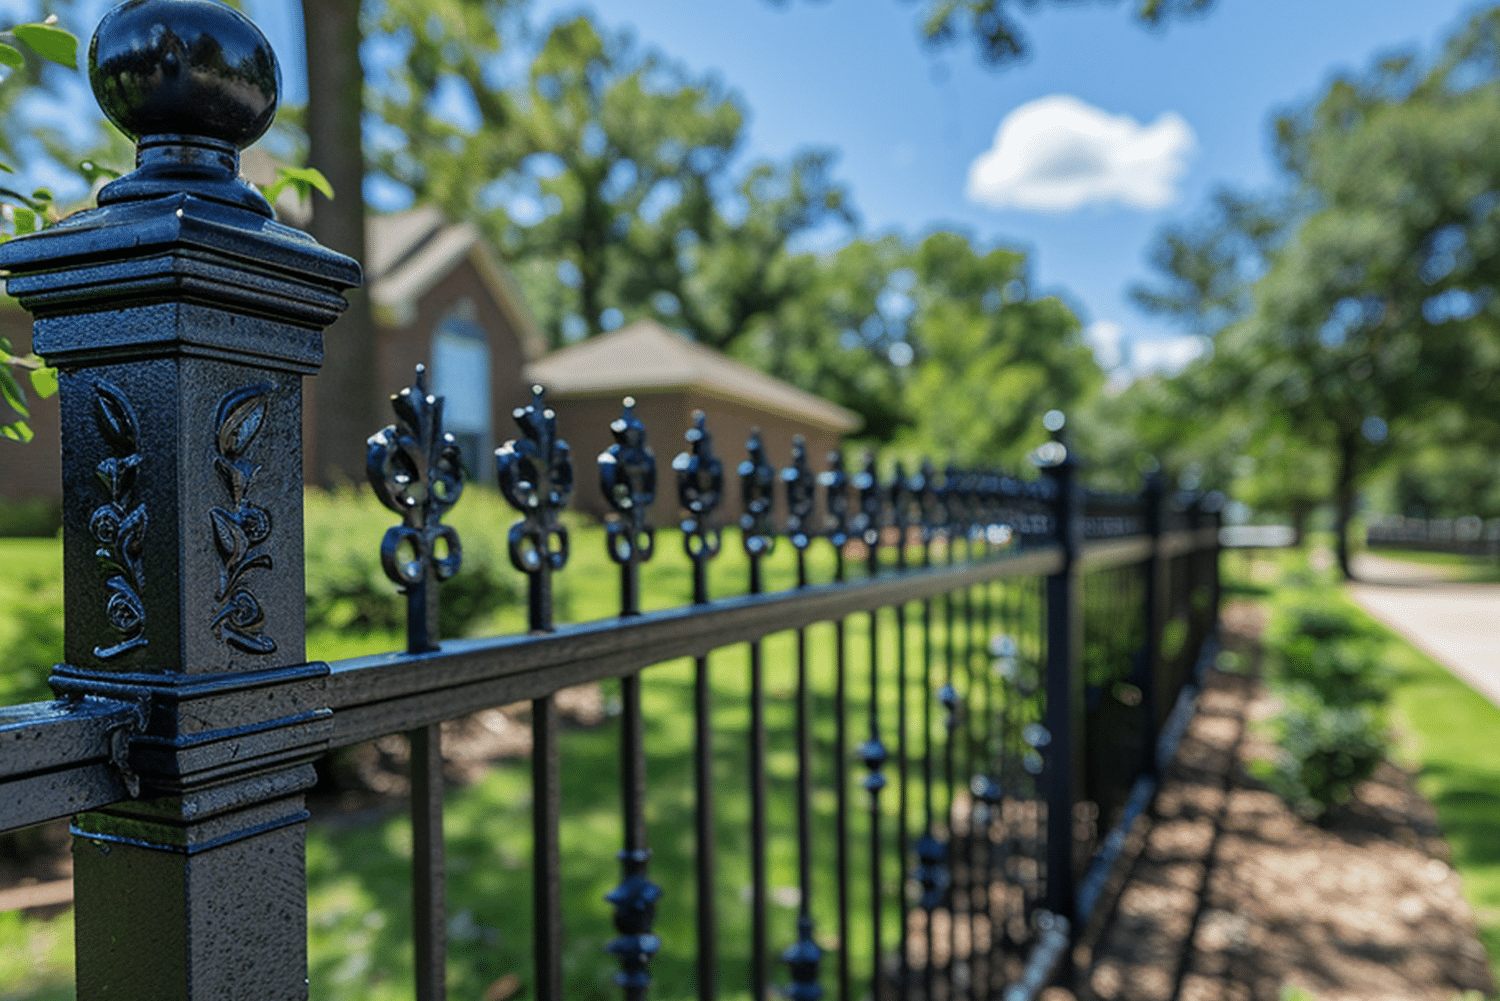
(1457, 624)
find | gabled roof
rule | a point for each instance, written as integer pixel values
(407, 253)
(646, 355)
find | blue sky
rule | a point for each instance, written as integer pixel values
(908, 123)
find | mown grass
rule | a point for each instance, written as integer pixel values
(358, 876)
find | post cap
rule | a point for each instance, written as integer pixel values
(186, 68)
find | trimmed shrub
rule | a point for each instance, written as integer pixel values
(1325, 751)
(347, 588)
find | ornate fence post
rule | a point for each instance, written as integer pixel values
(1064, 684)
(183, 318)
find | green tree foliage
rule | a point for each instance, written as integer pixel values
(938, 345)
(605, 174)
(1362, 298)
(997, 34)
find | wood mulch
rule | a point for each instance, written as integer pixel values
(1232, 896)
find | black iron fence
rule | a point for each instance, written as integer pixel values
(1472, 536)
(1011, 660)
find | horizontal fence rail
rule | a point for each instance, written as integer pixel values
(988, 671)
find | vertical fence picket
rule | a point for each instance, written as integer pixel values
(627, 476)
(802, 957)
(535, 475)
(700, 488)
(758, 536)
(835, 483)
(416, 471)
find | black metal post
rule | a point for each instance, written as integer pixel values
(1064, 682)
(1157, 584)
(182, 319)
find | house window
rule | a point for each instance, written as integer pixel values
(461, 375)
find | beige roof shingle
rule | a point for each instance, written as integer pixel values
(646, 355)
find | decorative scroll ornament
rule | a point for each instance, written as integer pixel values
(700, 488)
(867, 523)
(800, 487)
(635, 913)
(956, 501)
(901, 500)
(836, 498)
(930, 501)
(416, 471)
(120, 525)
(240, 530)
(536, 477)
(873, 755)
(757, 490)
(627, 475)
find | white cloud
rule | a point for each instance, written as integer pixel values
(1057, 153)
(1127, 360)
(1168, 355)
(1106, 338)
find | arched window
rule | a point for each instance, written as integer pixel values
(461, 375)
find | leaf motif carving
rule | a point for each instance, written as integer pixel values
(241, 414)
(116, 417)
(228, 535)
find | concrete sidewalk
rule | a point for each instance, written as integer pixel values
(1457, 624)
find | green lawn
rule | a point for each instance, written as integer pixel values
(358, 877)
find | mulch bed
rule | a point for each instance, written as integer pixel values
(1233, 896)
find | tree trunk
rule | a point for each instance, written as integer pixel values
(1344, 494)
(346, 391)
(1299, 514)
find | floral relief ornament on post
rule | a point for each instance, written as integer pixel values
(119, 526)
(239, 531)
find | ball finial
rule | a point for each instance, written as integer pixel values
(184, 67)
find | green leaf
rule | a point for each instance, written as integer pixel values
(42, 195)
(11, 391)
(44, 381)
(49, 42)
(301, 180)
(17, 431)
(6, 348)
(11, 56)
(92, 171)
(7, 168)
(25, 221)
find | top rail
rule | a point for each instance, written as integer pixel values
(61, 757)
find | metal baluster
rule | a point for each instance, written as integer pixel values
(948, 697)
(968, 498)
(872, 752)
(627, 476)
(535, 474)
(836, 497)
(700, 487)
(416, 471)
(804, 956)
(758, 535)
(900, 496)
(932, 871)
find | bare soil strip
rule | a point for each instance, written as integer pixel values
(1234, 896)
